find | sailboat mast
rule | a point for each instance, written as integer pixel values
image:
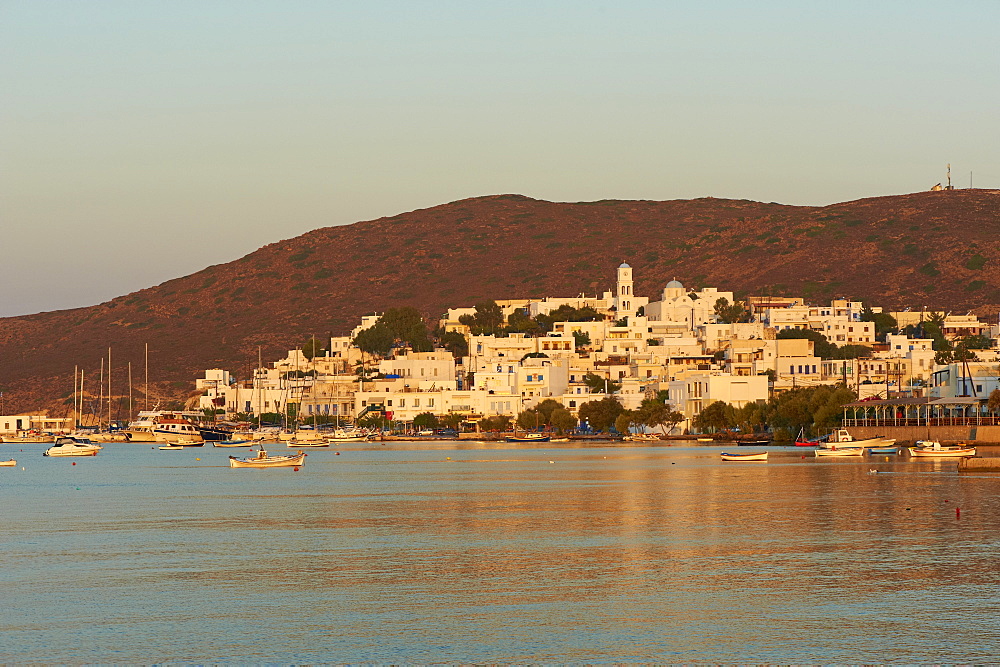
(76, 397)
(100, 396)
(145, 391)
(109, 388)
(130, 391)
(81, 397)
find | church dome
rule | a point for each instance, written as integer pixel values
(675, 284)
(624, 266)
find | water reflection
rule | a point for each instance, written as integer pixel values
(447, 552)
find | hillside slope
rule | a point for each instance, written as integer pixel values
(935, 249)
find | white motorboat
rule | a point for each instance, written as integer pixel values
(842, 438)
(934, 448)
(262, 460)
(9, 463)
(68, 446)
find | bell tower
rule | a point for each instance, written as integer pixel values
(624, 296)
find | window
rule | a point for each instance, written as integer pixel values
(389, 402)
(430, 402)
(572, 404)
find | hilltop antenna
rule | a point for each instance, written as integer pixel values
(949, 178)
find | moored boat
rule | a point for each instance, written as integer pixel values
(934, 448)
(28, 437)
(11, 463)
(883, 450)
(841, 438)
(528, 437)
(841, 451)
(262, 460)
(233, 443)
(68, 446)
(750, 456)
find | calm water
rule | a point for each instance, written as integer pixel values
(553, 553)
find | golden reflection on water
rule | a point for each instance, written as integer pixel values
(503, 554)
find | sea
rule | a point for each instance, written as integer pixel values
(448, 552)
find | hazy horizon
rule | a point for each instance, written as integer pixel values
(144, 142)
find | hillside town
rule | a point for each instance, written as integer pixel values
(691, 348)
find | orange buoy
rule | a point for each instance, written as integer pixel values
(296, 469)
(958, 512)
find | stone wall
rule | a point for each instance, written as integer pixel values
(943, 434)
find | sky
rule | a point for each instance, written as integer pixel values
(142, 141)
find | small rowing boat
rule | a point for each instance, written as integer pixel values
(841, 451)
(752, 456)
(11, 462)
(262, 460)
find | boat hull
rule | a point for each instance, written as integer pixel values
(266, 461)
(519, 439)
(756, 456)
(943, 452)
(844, 451)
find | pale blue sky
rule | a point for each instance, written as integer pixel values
(142, 141)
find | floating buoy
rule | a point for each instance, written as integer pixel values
(197, 459)
(551, 461)
(78, 488)
(295, 469)
(958, 512)
(338, 453)
(74, 462)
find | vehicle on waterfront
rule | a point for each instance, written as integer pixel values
(749, 456)
(28, 437)
(934, 448)
(262, 460)
(70, 446)
(841, 451)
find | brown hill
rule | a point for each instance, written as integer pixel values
(935, 249)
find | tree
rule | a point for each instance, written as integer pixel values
(562, 420)
(625, 421)
(497, 423)
(454, 342)
(716, 417)
(452, 420)
(519, 322)
(993, 402)
(884, 322)
(728, 313)
(852, 352)
(600, 415)
(599, 385)
(529, 420)
(425, 420)
(375, 340)
(312, 348)
(582, 338)
(487, 320)
(546, 408)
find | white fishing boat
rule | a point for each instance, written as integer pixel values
(841, 451)
(934, 448)
(842, 438)
(262, 460)
(348, 435)
(28, 437)
(752, 456)
(172, 447)
(68, 446)
(9, 463)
